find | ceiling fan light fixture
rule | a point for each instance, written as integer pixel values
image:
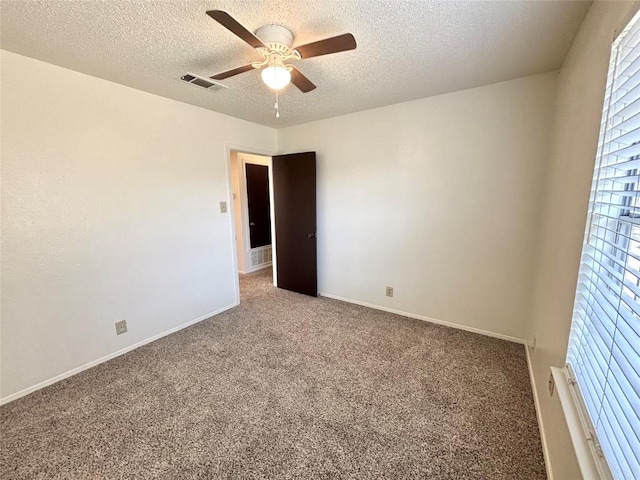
(276, 77)
(274, 43)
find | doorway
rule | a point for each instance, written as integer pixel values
(287, 220)
(252, 210)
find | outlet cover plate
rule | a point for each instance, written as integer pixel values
(121, 327)
(389, 292)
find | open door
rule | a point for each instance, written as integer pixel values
(294, 193)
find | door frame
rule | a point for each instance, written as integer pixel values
(233, 147)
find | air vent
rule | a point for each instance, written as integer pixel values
(260, 256)
(202, 82)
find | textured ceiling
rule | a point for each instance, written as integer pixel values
(406, 49)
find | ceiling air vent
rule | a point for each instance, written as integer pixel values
(202, 82)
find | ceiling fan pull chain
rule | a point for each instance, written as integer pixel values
(277, 107)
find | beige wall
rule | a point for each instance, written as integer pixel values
(579, 107)
(110, 211)
(438, 198)
(237, 208)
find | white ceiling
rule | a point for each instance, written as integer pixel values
(406, 49)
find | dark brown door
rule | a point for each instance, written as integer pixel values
(258, 205)
(294, 193)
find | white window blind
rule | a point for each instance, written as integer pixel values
(604, 346)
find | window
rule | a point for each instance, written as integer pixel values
(603, 359)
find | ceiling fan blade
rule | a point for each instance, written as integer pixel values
(227, 21)
(337, 44)
(299, 80)
(231, 73)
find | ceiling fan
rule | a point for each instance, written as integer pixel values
(275, 44)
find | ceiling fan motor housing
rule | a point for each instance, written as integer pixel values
(275, 34)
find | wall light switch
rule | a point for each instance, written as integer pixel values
(223, 207)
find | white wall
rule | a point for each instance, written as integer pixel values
(438, 198)
(581, 89)
(110, 210)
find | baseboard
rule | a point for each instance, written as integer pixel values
(86, 366)
(536, 401)
(255, 269)
(427, 319)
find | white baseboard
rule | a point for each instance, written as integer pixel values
(255, 269)
(93, 363)
(427, 319)
(536, 401)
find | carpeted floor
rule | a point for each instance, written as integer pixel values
(286, 386)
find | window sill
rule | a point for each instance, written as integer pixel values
(591, 466)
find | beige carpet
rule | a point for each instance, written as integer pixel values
(286, 386)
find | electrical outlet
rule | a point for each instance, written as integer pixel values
(223, 207)
(389, 292)
(121, 327)
(552, 384)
